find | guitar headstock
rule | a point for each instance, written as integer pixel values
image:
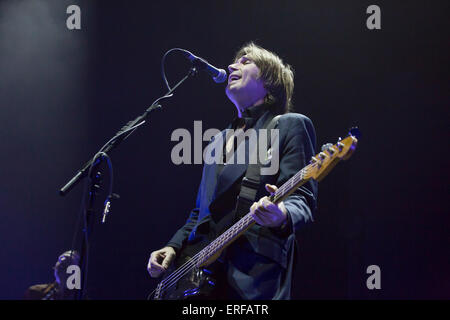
(322, 163)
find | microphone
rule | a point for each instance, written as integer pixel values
(219, 75)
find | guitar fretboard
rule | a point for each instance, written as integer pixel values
(247, 221)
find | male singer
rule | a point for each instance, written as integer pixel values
(260, 264)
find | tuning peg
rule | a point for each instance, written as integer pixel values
(326, 146)
(354, 131)
(314, 160)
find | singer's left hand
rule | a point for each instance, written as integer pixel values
(267, 213)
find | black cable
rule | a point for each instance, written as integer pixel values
(163, 60)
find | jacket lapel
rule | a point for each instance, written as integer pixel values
(232, 172)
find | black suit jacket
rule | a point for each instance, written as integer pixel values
(260, 263)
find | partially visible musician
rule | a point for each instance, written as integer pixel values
(56, 290)
(260, 264)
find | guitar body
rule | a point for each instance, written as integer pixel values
(196, 283)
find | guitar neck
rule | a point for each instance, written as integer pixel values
(210, 252)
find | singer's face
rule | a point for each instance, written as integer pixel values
(245, 87)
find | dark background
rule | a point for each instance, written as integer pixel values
(64, 93)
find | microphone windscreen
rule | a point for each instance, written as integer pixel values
(221, 77)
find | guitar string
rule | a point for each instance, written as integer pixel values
(213, 247)
(184, 268)
(216, 243)
(220, 241)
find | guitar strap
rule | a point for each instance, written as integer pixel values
(250, 182)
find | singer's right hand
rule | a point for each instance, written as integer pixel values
(160, 260)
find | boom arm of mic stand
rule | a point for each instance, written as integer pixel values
(120, 136)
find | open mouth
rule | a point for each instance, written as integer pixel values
(233, 78)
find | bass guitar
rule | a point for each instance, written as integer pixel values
(192, 278)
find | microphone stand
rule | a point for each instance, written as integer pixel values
(94, 181)
(119, 137)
